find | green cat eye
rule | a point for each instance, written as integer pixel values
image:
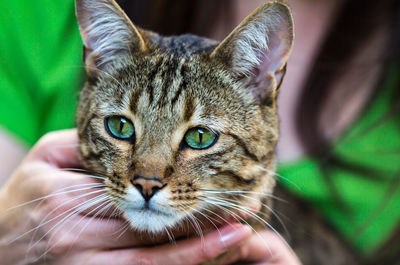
(120, 127)
(200, 138)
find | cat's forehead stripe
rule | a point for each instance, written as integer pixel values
(135, 96)
(188, 109)
(167, 76)
(151, 77)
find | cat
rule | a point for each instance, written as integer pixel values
(185, 127)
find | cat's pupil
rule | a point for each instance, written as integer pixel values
(200, 135)
(119, 127)
(122, 125)
(200, 138)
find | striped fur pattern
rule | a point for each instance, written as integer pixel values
(167, 85)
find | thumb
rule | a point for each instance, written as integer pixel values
(268, 246)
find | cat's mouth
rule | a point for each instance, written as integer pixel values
(150, 220)
(151, 216)
(148, 209)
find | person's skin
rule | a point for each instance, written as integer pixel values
(95, 240)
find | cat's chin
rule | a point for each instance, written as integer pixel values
(151, 221)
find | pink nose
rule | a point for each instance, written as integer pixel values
(147, 186)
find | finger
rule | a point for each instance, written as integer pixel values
(185, 252)
(57, 148)
(267, 247)
(196, 250)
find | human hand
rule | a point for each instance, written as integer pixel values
(263, 247)
(232, 244)
(46, 211)
(66, 226)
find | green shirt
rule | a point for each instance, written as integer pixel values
(40, 67)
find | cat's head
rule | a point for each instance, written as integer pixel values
(181, 126)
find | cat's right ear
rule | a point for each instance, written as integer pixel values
(256, 51)
(107, 33)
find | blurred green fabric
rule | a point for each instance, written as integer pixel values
(40, 67)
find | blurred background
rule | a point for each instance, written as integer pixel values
(339, 104)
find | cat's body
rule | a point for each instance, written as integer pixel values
(185, 127)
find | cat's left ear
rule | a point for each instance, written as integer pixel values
(257, 50)
(107, 33)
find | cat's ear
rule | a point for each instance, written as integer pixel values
(257, 50)
(107, 33)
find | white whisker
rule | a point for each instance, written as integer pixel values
(73, 212)
(261, 213)
(55, 209)
(75, 225)
(238, 218)
(105, 206)
(247, 211)
(209, 218)
(60, 192)
(86, 173)
(196, 226)
(241, 192)
(122, 229)
(279, 176)
(170, 236)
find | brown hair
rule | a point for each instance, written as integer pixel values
(178, 16)
(356, 21)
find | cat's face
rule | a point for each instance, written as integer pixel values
(181, 127)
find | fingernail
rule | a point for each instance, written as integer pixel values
(233, 234)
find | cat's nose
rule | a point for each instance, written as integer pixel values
(147, 186)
